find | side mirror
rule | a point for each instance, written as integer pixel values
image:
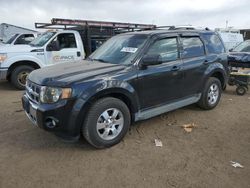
(53, 46)
(148, 60)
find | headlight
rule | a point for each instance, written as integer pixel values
(3, 56)
(52, 94)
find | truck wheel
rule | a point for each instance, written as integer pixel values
(106, 123)
(19, 75)
(211, 94)
(241, 90)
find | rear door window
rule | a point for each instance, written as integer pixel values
(167, 48)
(214, 44)
(192, 47)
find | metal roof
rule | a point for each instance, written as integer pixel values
(6, 24)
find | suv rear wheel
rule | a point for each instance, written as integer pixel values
(211, 94)
(106, 123)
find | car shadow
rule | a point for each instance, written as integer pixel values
(5, 85)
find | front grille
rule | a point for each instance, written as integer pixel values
(33, 91)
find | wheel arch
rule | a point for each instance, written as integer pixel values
(219, 75)
(20, 63)
(82, 105)
(119, 93)
(218, 71)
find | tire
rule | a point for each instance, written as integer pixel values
(224, 87)
(19, 75)
(231, 82)
(210, 97)
(106, 133)
(241, 90)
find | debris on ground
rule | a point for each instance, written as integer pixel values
(158, 143)
(171, 123)
(236, 164)
(188, 127)
(21, 110)
(230, 99)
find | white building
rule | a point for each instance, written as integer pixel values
(231, 37)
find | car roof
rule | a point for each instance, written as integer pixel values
(166, 31)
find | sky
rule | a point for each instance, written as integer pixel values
(203, 13)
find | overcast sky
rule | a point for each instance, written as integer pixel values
(210, 13)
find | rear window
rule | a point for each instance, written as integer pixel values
(213, 44)
(192, 47)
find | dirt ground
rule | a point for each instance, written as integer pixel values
(31, 157)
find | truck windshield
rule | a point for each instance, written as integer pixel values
(11, 39)
(243, 47)
(42, 39)
(120, 49)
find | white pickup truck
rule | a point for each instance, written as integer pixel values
(17, 61)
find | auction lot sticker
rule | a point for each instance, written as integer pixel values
(129, 49)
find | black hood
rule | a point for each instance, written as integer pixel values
(65, 73)
(239, 59)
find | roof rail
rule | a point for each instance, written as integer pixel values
(182, 27)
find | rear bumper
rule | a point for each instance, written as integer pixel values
(56, 118)
(3, 73)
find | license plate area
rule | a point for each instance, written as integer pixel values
(31, 110)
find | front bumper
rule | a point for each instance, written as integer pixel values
(56, 118)
(3, 73)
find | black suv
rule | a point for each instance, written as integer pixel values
(131, 77)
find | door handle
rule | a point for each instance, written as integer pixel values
(78, 54)
(219, 59)
(205, 62)
(175, 68)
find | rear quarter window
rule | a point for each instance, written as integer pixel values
(192, 47)
(213, 44)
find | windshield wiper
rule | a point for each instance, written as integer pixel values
(101, 60)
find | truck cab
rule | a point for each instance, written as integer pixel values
(19, 39)
(50, 48)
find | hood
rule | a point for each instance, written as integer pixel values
(239, 56)
(239, 59)
(7, 48)
(66, 73)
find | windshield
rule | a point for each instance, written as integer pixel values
(243, 47)
(42, 39)
(120, 49)
(11, 39)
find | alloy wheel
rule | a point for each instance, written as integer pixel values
(110, 124)
(213, 94)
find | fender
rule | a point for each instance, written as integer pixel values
(216, 68)
(24, 57)
(100, 89)
(106, 87)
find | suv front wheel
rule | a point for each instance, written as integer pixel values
(211, 94)
(106, 123)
